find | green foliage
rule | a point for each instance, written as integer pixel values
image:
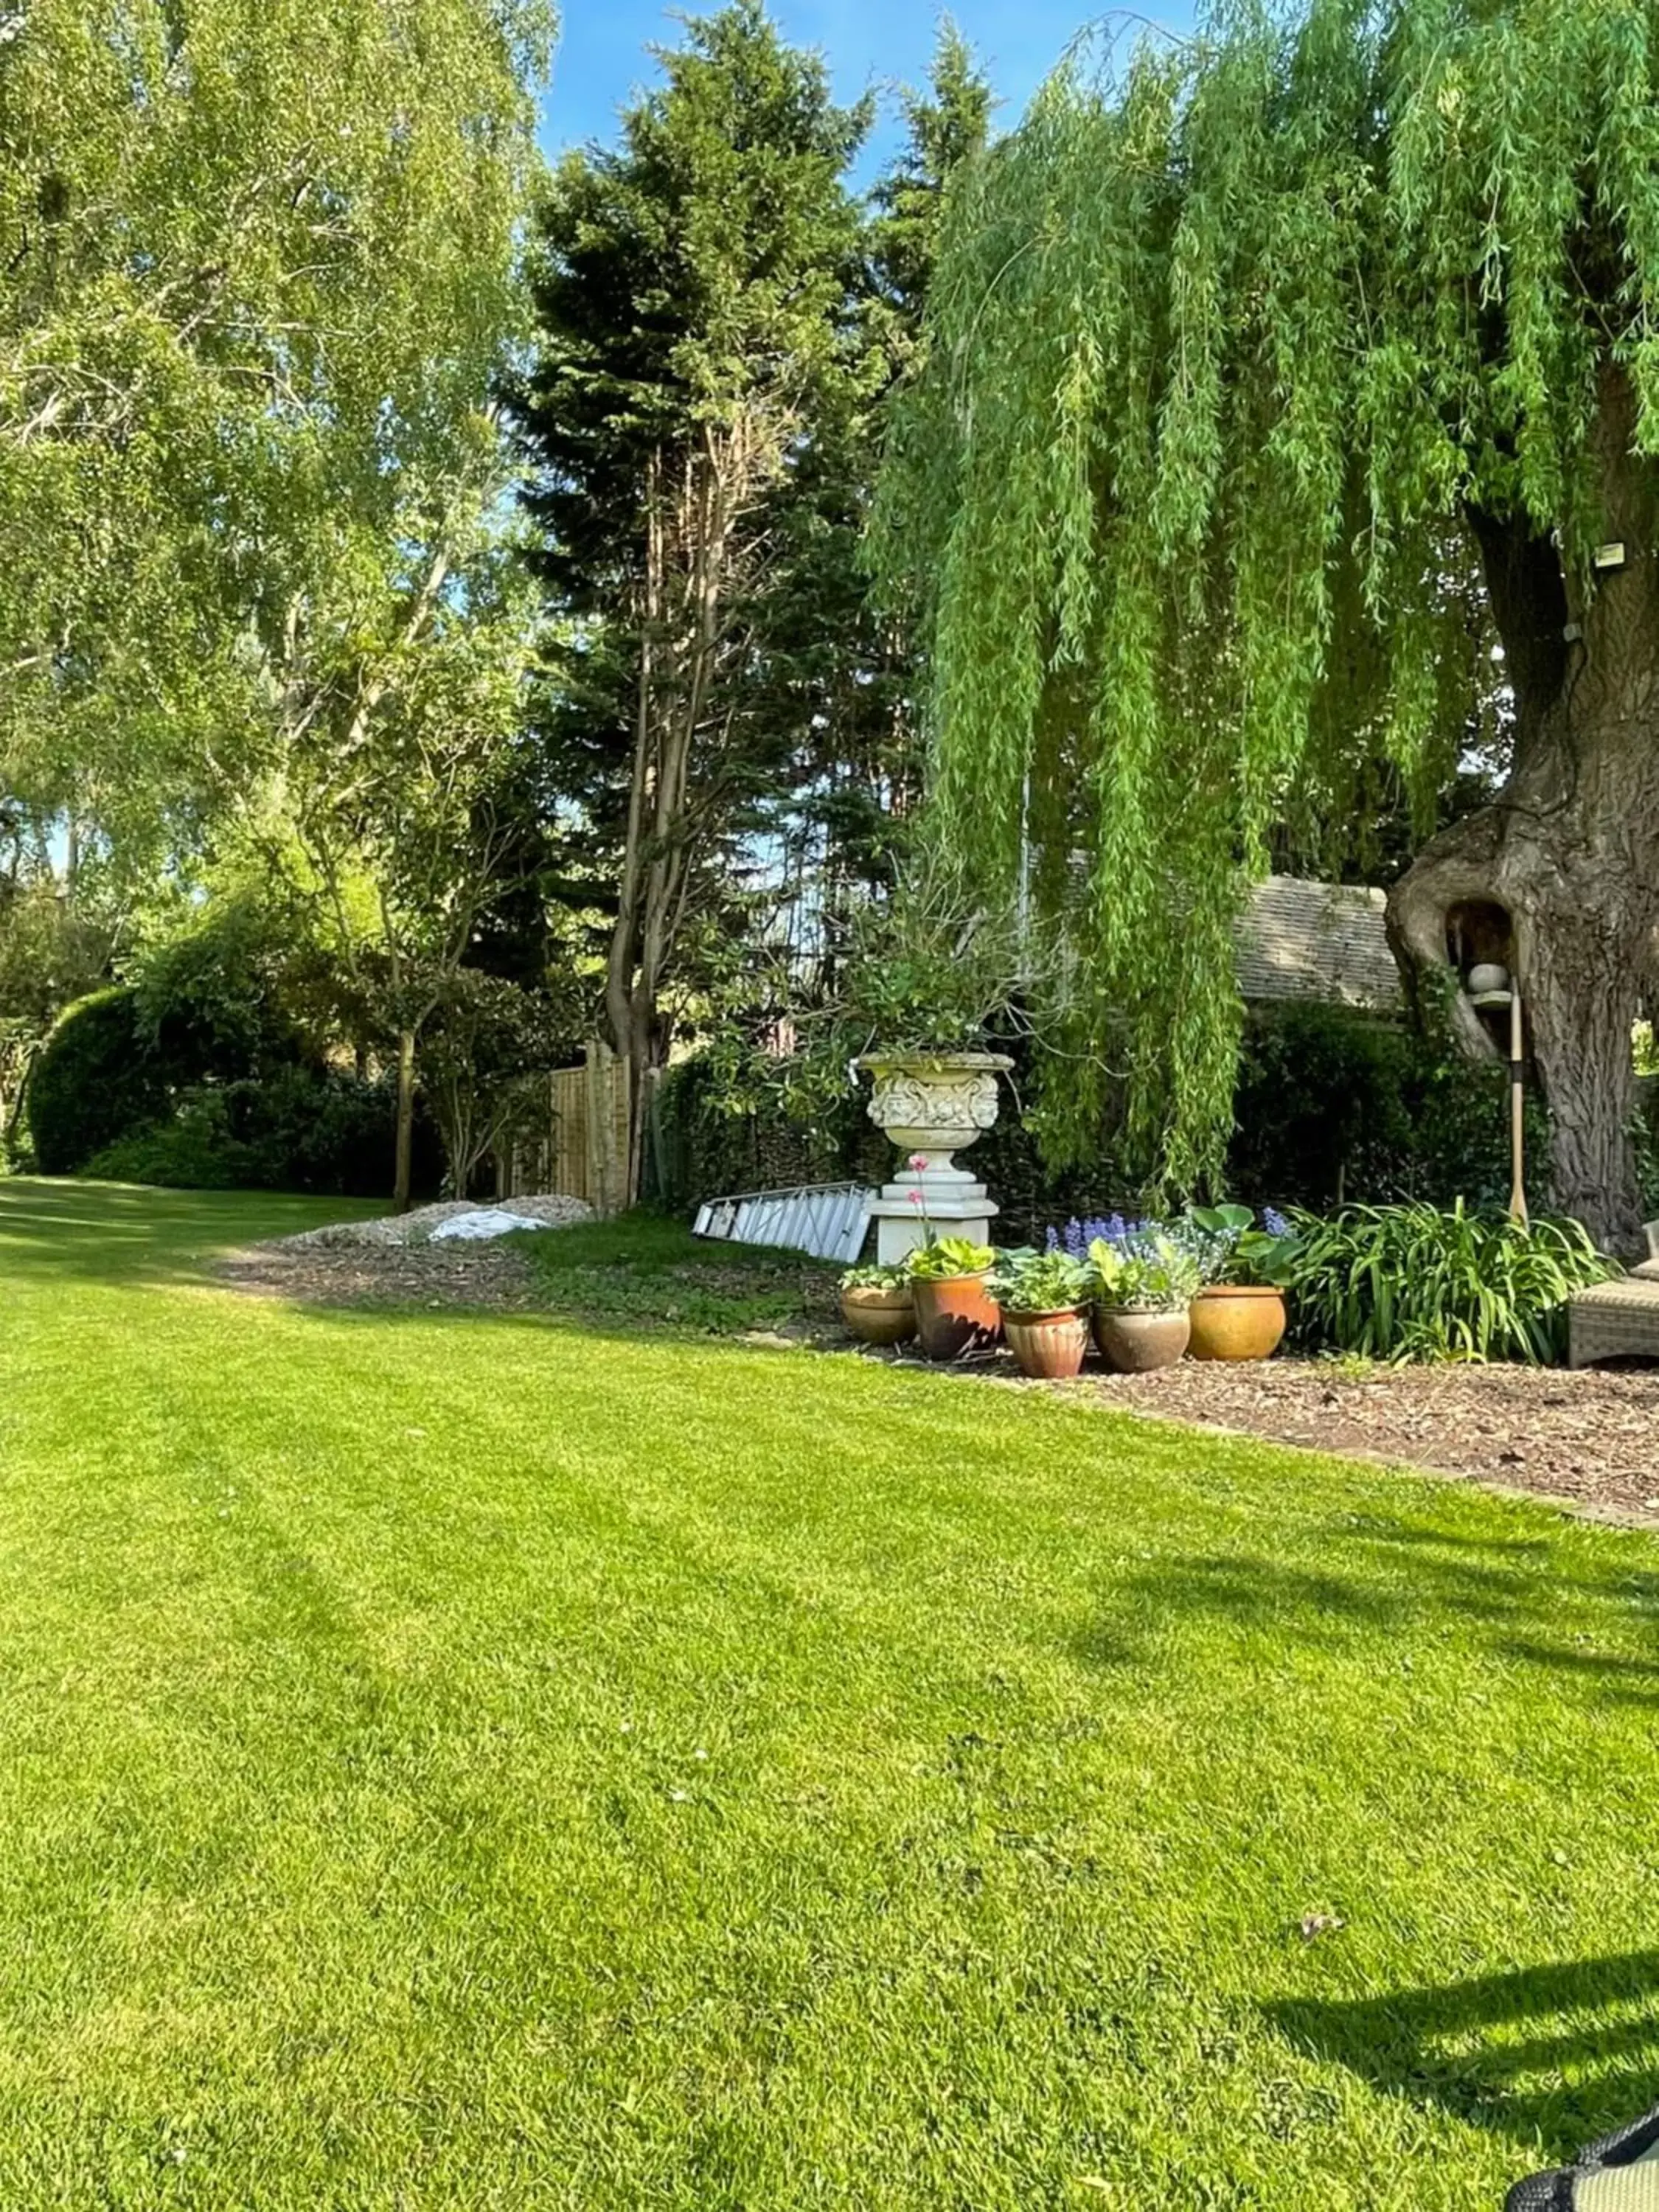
(261, 271)
(944, 1259)
(1152, 1271)
(210, 996)
(1029, 1282)
(641, 1268)
(1335, 1105)
(699, 1146)
(872, 1276)
(483, 1037)
(1416, 1282)
(697, 362)
(294, 1129)
(1225, 344)
(1229, 1248)
(94, 1079)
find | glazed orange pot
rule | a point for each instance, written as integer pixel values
(1136, 1343)
(957, 1317)
(1237, 1320)
(1048, 1346)
(877, 1317)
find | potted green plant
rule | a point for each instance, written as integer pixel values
(1239, 1311)
(1044, 1298)
(1143, 1290)
(933, 977)
(956, 1313)
(876, 1304)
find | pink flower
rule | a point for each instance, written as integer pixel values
(918, 1159)
(915, 1198)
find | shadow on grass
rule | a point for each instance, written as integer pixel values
(1510, 1614)
(124, 1234)
(1554, 2055)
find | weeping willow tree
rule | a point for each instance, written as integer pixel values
(1288, 391)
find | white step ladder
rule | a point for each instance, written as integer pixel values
(828, 1220)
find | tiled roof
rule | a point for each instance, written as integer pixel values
(1298, 940)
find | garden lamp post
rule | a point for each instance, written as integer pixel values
(1493, 987)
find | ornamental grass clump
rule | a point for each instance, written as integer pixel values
(1416, 1282)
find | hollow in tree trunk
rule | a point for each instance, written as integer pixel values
(1570, 849)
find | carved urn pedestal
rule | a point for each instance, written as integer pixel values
(932, 1105)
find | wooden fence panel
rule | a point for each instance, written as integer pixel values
(575, 1140)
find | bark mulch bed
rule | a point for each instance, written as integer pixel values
(491, 1276)
(1590, 1438)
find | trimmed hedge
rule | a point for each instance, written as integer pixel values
(95, 1079)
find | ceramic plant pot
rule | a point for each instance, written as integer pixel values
(957, 1317)
(1136, 1343)
(1048, 1346)
(1237, 1320)
(877, 1316)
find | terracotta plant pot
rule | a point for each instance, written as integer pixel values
(1136, 1343)
(1237, 1320)
(1048, 1346)
(880, 1317)
(957, 1317)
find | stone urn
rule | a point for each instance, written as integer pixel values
(932, 1105)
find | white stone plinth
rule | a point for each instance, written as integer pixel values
(901, 1225)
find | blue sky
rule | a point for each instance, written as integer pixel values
(867, 43)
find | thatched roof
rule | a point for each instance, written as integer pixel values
(1298, 940)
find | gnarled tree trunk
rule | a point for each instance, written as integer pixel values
(1571, 846)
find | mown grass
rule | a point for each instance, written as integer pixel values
(646, 1269)
(466, 1762)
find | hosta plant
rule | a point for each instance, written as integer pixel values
(1230, 1249)
(875, 1275)
(1040, 1282)
(942, 1259)
(1416, 1282)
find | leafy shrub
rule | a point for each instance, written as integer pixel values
(193, 1152)
(1335, 1105)
(210, 998)
(1416, 1282)
(299, 1129)
(94, 1079)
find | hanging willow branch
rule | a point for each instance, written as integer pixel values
(1226, 347)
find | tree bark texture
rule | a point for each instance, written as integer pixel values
(694, 508)
(1570, 849)
(404, 1176)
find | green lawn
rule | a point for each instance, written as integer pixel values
(469, 1762)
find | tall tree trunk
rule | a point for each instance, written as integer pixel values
(1570, 847)
(404, 1176)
